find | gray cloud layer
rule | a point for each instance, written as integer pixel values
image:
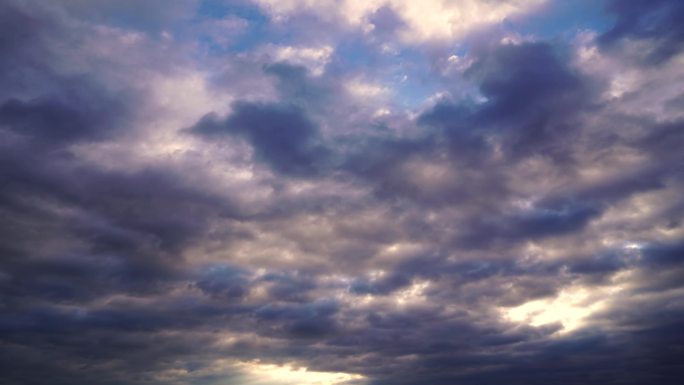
(160, 229)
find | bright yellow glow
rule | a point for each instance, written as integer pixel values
(289, 375)
(570, 307)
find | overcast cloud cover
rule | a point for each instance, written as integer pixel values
(341, 192)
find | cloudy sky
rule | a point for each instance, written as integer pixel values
(341, 192)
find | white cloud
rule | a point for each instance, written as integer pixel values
(365, 89)
(444, 19)
(425, 19)
(313, 58)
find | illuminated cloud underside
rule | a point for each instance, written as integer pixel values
(287, 375)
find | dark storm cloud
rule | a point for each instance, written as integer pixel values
(465, 137)
(72, 231)
(309, 320)
(23, 44)
(658, 23)
(533, 99)
(282, 135)
(383, 287)
(223, 282)
(88, 116)
(664, 254)
(584, 359)
(387, 244)
(380, 161)
(663, 140)
(295, 84)
(535, 223)
(72, 234)
(534, 106)
(290, 287)
(534, 102)
(43, 119)
(131, 338)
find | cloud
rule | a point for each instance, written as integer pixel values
(313, 58)
(282, 135)
(655, 24)
(419, 21)
(190, 196)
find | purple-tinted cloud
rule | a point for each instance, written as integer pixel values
(213, 192)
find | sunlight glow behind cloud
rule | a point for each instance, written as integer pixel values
(571, 307)
(269, 374)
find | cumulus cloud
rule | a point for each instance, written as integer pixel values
(410, 196)
(418, 21)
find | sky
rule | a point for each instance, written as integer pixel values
(341, 192)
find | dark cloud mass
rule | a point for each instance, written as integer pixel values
(656, 22)
(335, 193)
(281, 135)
